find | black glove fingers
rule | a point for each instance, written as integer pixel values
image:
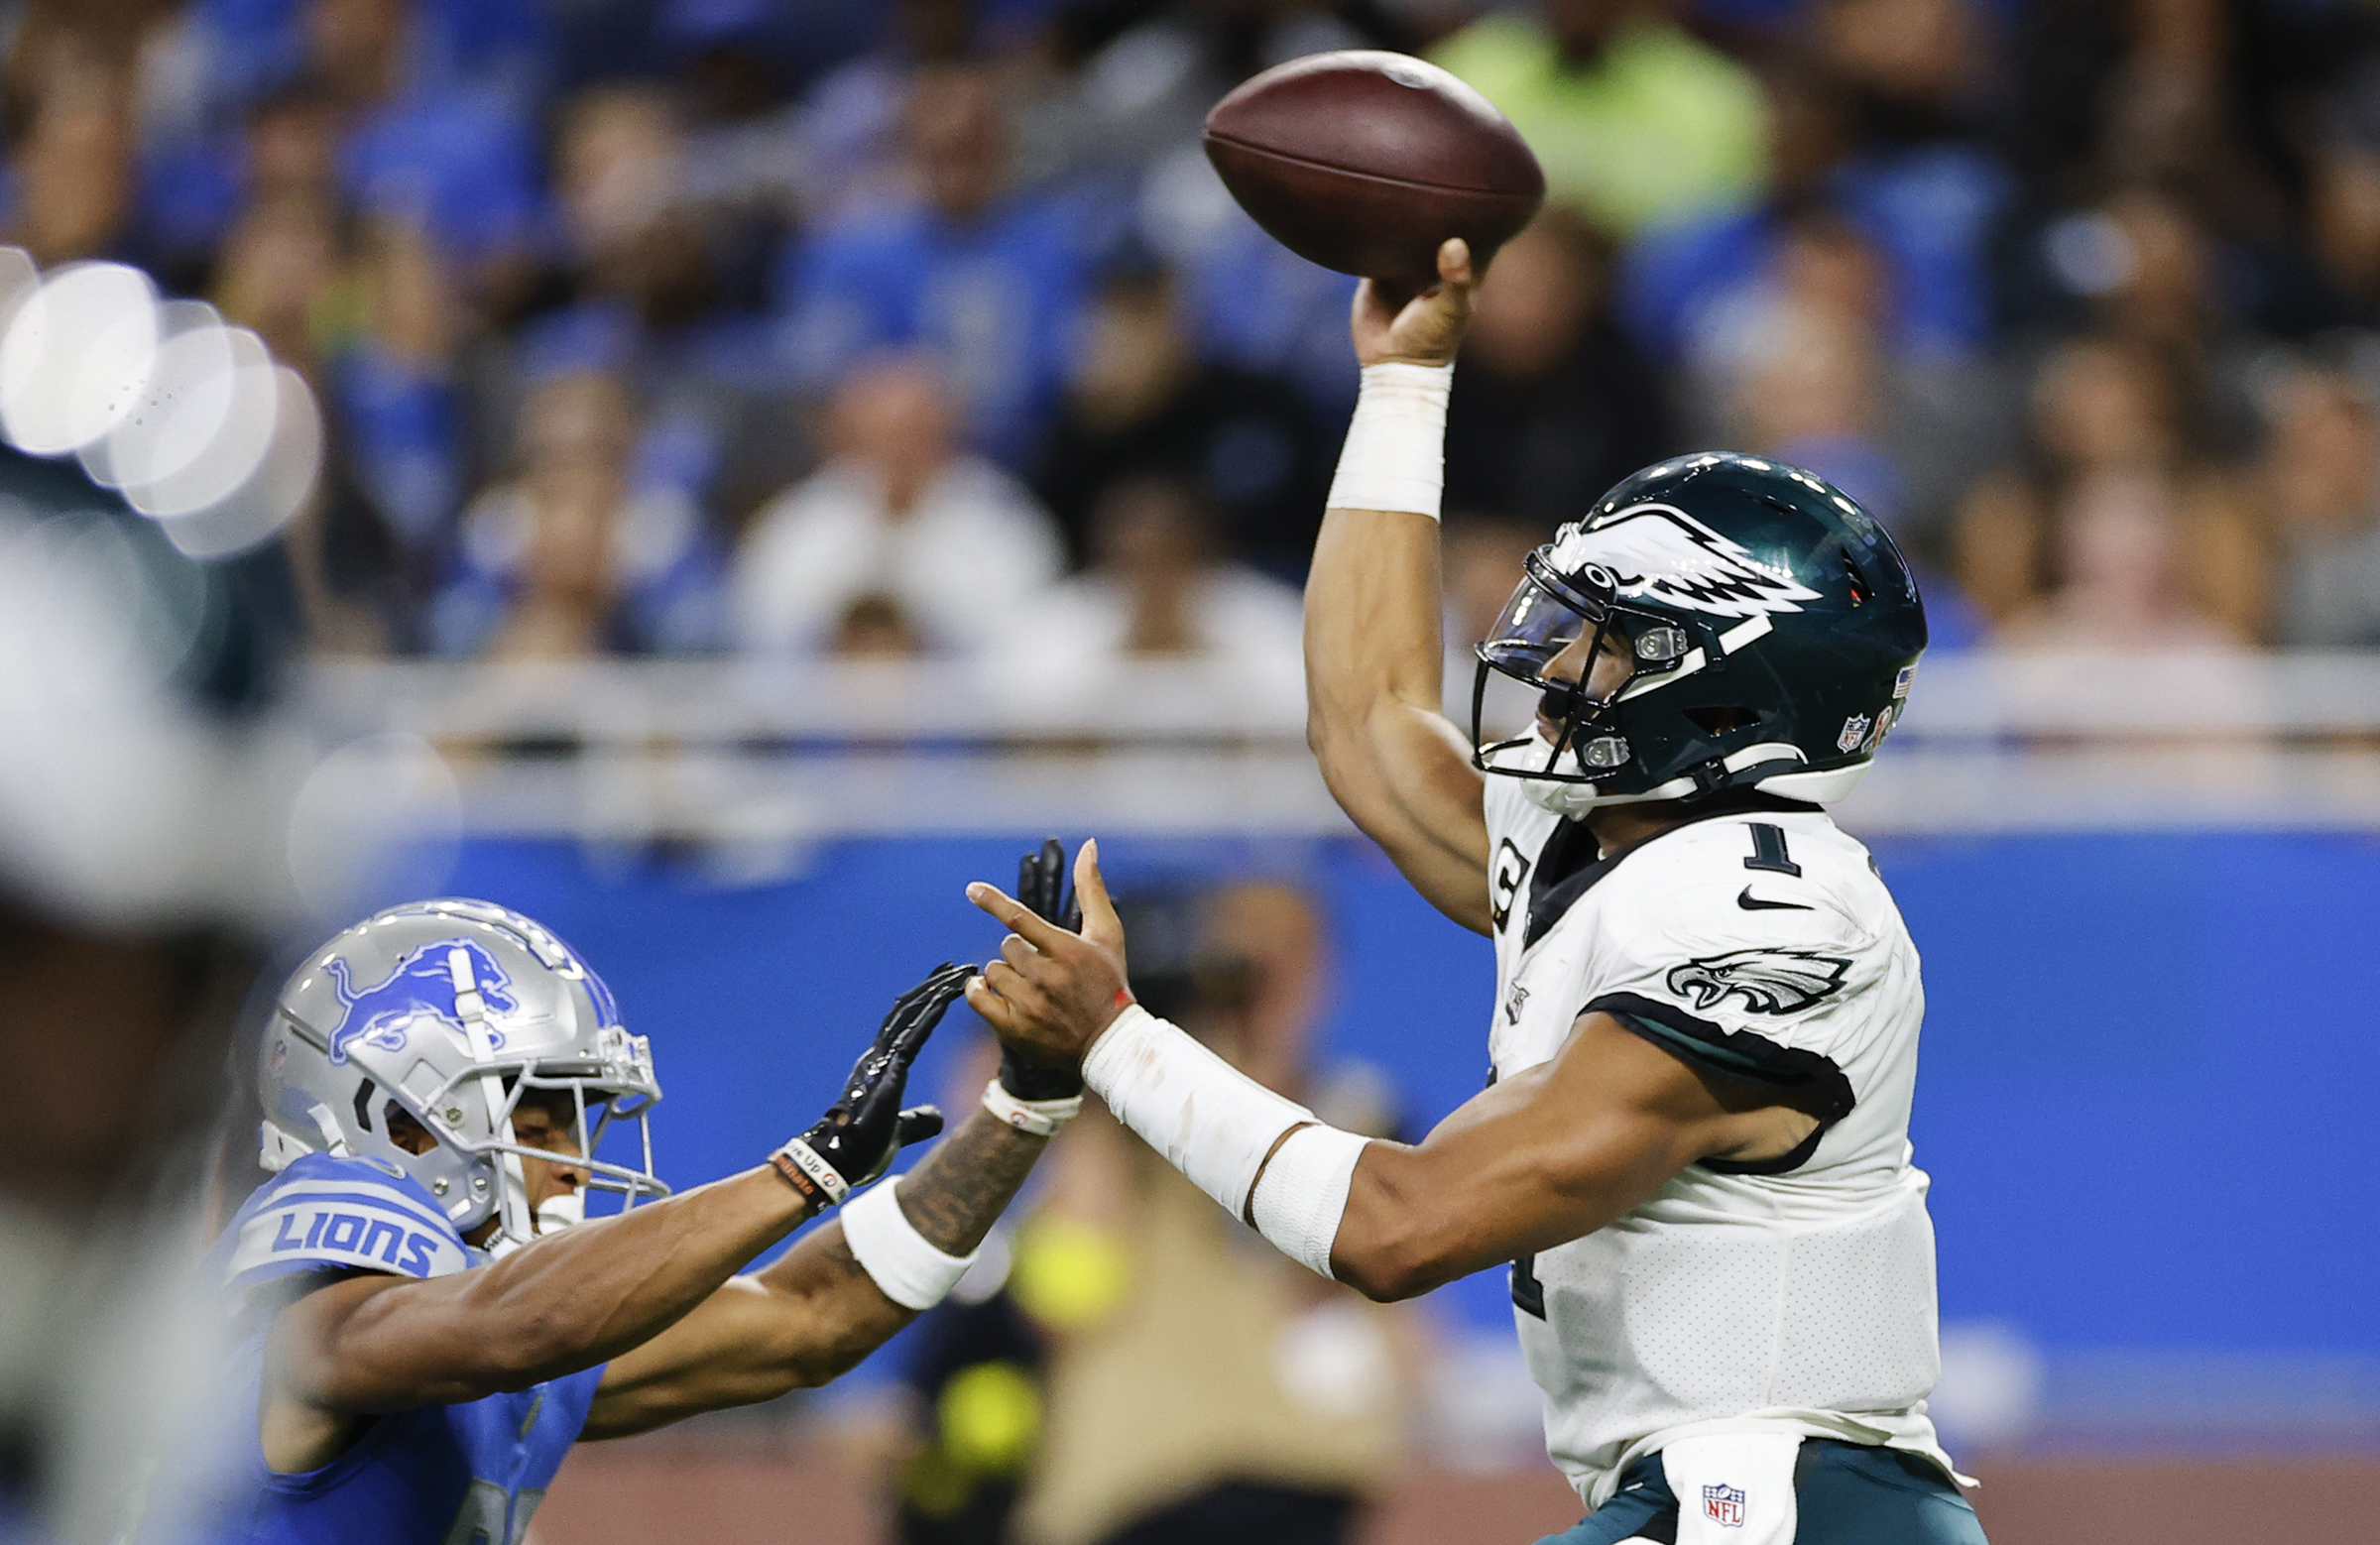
(1064, 908)
(884, 1070)
(1041, 881)
(936, 982)
(918, 1124)
(1028, 881)
(1041, 885)
(1053, 892)
(859, 1133)
(950, 983)
(944, 982)
(901, 1007)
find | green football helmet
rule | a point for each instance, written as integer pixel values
(1770, 627)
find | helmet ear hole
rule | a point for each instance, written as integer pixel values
(404, 1132)
(1719, 720)
(363, 1104)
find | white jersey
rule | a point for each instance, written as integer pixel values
(1796, 1294)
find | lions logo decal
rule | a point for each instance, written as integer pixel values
(1768, 981)
(421, 988)
(1662, 553)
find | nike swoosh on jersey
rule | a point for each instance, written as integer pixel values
(1752, 903)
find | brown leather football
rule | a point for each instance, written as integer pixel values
(1364, 161)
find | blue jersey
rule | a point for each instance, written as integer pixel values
(451, 1475)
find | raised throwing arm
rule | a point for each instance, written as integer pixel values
(1374, 655)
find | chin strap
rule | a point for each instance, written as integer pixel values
(471, 1007)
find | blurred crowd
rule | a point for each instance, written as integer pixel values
(800, 328)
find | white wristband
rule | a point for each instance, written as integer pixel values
(1394, 457)
(1303, 1195)
(1212, 1121)
(907, 1267)
(1041, 1117)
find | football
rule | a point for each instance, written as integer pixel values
(1364, 161)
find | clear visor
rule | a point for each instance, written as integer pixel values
(1552, 615)
(1550, 636)
(1543, 620)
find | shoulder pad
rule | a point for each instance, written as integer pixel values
(339, 1214)
(1702, 904)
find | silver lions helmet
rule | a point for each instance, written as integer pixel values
(450, 1011)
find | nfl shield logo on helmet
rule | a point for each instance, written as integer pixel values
(1724, 1505)
(1854, 730)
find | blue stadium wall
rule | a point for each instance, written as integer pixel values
(2146, 1097)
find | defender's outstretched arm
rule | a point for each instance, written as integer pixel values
(1374, 658)
(812, 1315)
(371, 1344)
(375, 1344)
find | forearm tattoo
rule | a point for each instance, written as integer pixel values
(954, 1194)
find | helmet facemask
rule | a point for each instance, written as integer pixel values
(616, 1084)
(1593, 759)
(475, 1168)
(1553, 618)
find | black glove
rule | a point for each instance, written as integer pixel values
(859, 1133)
(1041, 885)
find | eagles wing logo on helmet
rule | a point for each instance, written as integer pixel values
(1662, 553)
(421, 985)
(1768, 981)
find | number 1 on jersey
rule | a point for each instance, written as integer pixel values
(1768, 850)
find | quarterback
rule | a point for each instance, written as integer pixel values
(425, 1323)
(1694, 1147)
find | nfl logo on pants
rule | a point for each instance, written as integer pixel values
(1723, 1505)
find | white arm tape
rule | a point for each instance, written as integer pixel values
(1395, 452)
(1304, 1194)
(908, 1270)
(1212, 1121)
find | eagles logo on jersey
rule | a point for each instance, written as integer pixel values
(1768, 981)
(1761, 610)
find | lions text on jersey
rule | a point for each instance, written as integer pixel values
(455, 1474)
(1792, 1294)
